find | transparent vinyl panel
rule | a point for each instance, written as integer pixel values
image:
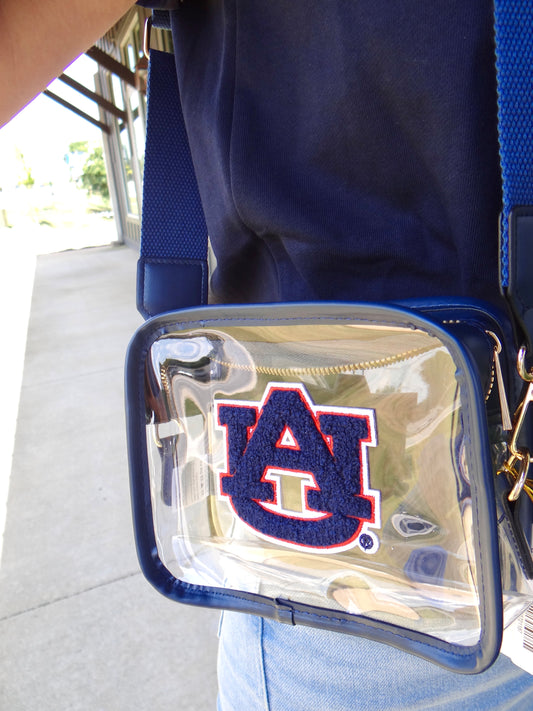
(323, 464)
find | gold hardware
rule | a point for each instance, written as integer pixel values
(504, 406)
(526, 375)
(519, 475)
(520, 455)
(519, 421)
(521, 482)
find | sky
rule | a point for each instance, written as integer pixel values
(44, 129)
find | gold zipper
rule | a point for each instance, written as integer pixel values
(329, 370)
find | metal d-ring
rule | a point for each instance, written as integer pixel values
(523, 372)
(521, 475)
(147, 36)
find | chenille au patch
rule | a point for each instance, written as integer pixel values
(297, 473)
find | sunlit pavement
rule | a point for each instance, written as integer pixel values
(80, 627)
(19, 247)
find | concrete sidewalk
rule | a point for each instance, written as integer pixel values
(80, 628)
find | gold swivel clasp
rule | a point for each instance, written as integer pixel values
(517, 464)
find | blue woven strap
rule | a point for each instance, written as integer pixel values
(513, 20)
(161, 19)
(172, 270)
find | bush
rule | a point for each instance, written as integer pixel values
(94, 176)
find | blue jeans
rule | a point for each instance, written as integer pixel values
(268, 666)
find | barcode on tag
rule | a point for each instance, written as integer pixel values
(527, 629)
(518, 641)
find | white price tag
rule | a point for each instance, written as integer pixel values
(518, 641)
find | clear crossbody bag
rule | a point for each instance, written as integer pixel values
(330, 465)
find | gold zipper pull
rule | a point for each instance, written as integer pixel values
(504, 405)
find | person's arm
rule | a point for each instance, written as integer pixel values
(39, 38)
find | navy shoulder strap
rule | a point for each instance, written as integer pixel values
(513, 22)
(172, 270)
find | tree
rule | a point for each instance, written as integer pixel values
(79, 147)
(94, 176)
